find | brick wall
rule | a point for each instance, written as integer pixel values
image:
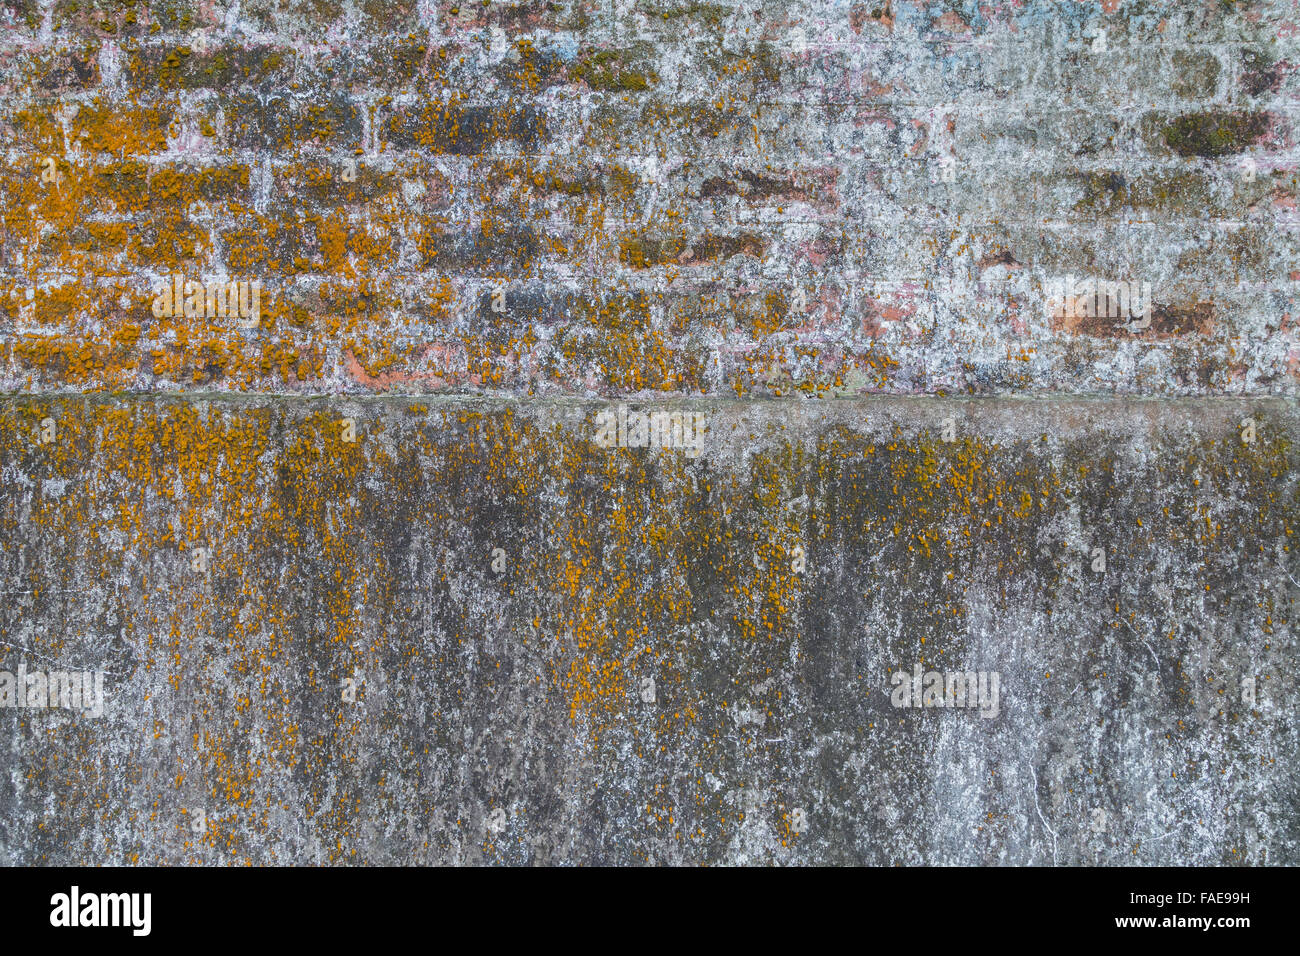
(989, 310)
(720, 199)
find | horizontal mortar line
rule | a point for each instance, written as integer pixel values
(924, 228)
(1027, 30)
(830, 58)
(1123, 50)
(1070, 164)
(968, 101)
(913, 178)
(965, 99)
(968, 104)
(911, 86)
(1035, 397)
(918, 227)
(961, 87)
(560, 270)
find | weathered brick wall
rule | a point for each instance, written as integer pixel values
(400, 601)
(690, 198)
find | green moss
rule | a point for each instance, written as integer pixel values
(1106, 192)
(607, 70)
(1214, 133)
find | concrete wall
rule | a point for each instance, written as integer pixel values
(386, 571)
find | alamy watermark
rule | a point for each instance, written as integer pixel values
(631, 429)
(217, 299)
(962, 689)
(79, 691)
(74, 909)
(1090, 297)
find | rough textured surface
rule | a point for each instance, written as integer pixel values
(839, 232)
(523, 688)
(655, 186)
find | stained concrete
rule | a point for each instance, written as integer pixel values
(649, 676)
